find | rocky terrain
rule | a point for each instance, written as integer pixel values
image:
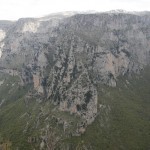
(67, 56)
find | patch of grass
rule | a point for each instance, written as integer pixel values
(11, 123)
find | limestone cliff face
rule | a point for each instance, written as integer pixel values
(66, 57)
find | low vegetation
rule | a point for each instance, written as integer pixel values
(122, 123)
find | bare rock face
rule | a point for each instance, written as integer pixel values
(2, 36)
(69, 84)
(66, 57)
(81, 99)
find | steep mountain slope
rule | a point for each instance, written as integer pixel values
(69, 70)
